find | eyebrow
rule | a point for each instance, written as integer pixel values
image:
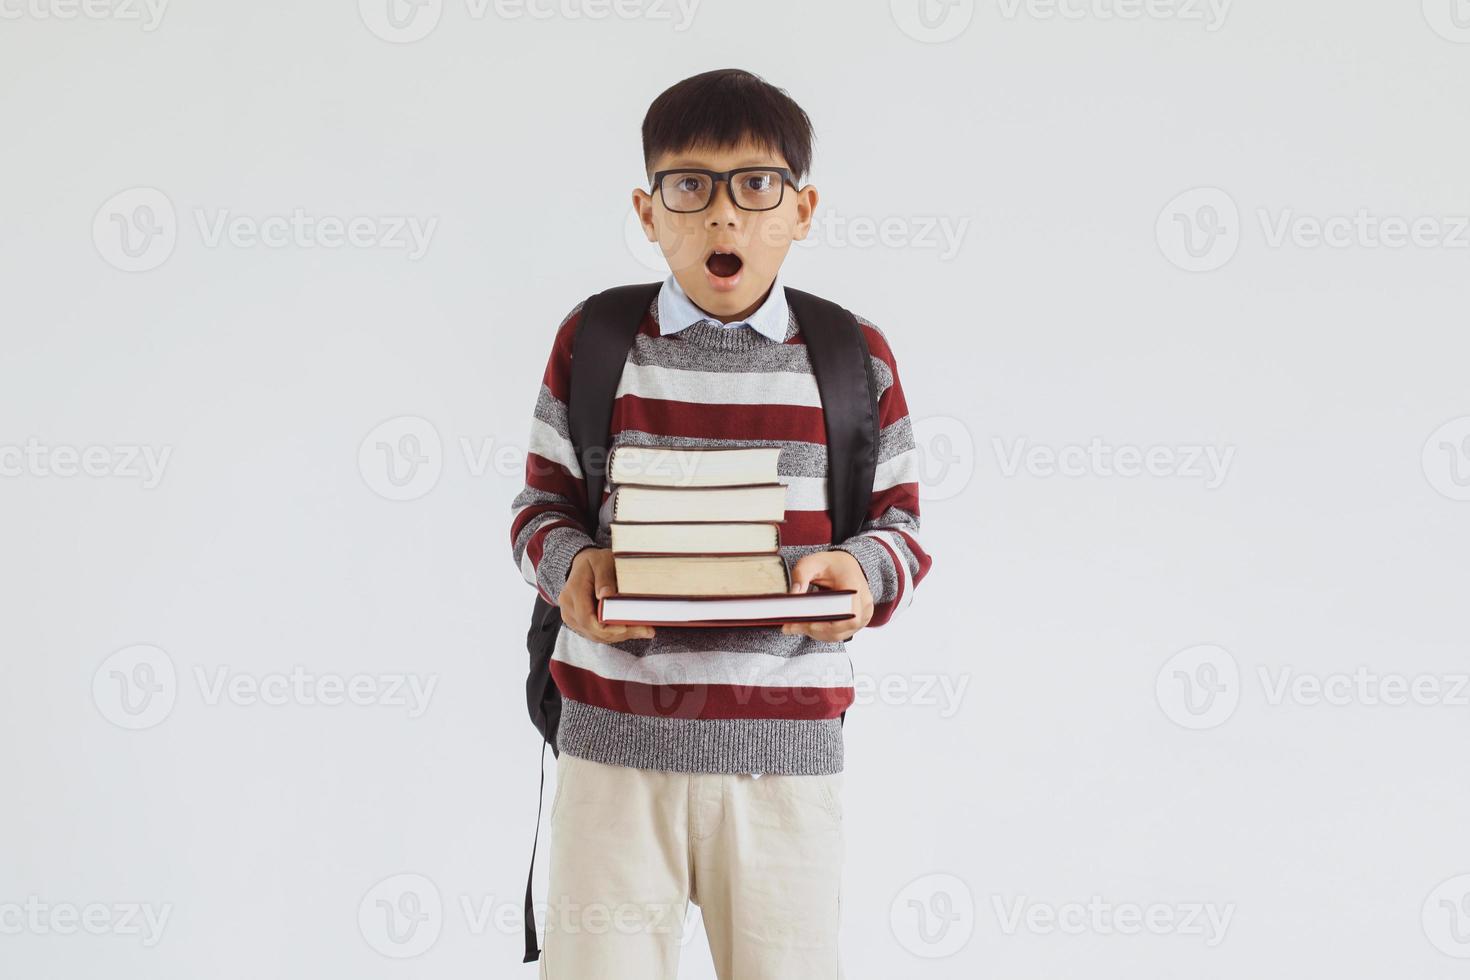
(703, 165)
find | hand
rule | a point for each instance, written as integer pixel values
(592, 576)
(832, 570)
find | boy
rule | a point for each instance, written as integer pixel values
(704, 764)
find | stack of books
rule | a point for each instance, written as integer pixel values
(696, 541)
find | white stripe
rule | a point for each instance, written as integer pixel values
(902, 468)
(906, 594)
(805, 492)
(827, 670)
(809, 493)
(547, 442)
(720, 387)
(528, 571)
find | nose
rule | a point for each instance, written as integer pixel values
(722, 209)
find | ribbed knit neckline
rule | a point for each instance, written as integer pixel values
(712, 336)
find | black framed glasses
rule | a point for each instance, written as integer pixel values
(751, 188)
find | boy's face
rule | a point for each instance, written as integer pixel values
(729, 288)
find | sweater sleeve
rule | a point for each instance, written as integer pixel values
(887, 546)
(548, 525)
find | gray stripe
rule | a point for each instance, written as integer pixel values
(764, 745)
(762, 354)
(552, 411)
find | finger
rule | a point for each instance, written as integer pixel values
(604, 580)
(803, 572)
(618, 632)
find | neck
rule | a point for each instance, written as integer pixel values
(743, 314)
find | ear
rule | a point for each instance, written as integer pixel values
(806, 206)
(643, 204)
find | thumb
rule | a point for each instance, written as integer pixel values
(604, 580)
(802, 574)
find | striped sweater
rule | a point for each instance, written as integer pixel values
(703, 699)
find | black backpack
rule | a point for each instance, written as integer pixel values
(609, 323)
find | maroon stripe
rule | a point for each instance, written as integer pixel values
(529, 514)
(699, 700)
(552, 477)
(800, 423)
(904, 496)
(806, 527)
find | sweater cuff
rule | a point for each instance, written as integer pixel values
(873, 558)
(557, 551)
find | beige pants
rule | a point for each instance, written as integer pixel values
(631, 848)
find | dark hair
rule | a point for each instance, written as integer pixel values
(721, 108)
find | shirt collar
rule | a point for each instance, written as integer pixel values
(677, 311)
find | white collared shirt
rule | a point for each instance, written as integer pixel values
(677, 311)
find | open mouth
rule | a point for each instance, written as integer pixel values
(724, 266)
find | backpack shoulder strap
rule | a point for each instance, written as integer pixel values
(609, 322)
(839, 356)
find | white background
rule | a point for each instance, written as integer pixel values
(1118, 640)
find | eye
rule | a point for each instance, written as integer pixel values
(760, 183)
